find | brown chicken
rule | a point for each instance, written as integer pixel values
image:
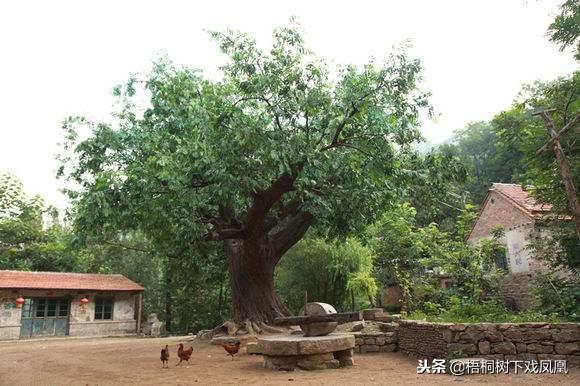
(184, 354)
(164, 356)
(232, 347)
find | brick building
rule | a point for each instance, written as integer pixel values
(512, 208)
(34, 304)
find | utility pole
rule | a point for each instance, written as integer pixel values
(565, 174)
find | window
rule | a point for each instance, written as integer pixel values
(63, 307)
(45, 308)
(51, 309)
(41, 308)
(103, 309)
(501, 262)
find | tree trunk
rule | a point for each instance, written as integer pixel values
(168, 295)
(254, 245)
(252, 281)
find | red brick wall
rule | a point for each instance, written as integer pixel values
(497, 210)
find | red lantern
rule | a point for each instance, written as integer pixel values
(84, 301)
(19, 301)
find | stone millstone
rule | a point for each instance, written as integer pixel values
(286, 345)
(320, 328)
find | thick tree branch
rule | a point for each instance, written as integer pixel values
(265, 199)
(288, 232)
(569, 125)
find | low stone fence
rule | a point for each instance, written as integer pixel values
(375, 341)
(506, 341)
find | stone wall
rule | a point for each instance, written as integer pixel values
(514, 290)
(507, 341)
(375, 341)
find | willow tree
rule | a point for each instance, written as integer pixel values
(253, 159)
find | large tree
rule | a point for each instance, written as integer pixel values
(254, 159)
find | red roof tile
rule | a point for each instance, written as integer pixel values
(520, 197)
(68, 281)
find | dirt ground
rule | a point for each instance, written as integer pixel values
(136, 361)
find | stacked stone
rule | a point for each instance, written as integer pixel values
(422, 339)
(377, 341)
(506, 341)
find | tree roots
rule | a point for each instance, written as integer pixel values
(248, 327)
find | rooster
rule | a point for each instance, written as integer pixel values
(184, 354)
(232, 347)
(164, 356)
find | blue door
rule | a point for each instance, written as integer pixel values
(44, 317)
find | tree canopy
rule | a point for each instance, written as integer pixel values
(565, 29)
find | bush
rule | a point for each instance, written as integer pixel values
(464, 310)
(416, 257)
(560, 296)
(331, 271)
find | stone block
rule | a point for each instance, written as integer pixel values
(566, 348)
(469, 336)
(357, 326)
(389, 348)
(387, 318)
(484, 347)
(506, 348)
(573, 361)
(372, 313)
(369, 348)
(514, 334)
(252, 348)
(447, 335)
(537, 335)
(317, 362)
(533, 325)
(463, 349)
(344, 357)
(387, 327)
(537, 348)
(564, 335)
(390, 337)
(491, 334)
(278, 345)
(458, 327)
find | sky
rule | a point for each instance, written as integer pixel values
(61, 58)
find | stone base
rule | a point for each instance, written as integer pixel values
(309, 353)
(310, 362)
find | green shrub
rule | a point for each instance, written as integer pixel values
(560, 296)
(331, 271)
(465, 310)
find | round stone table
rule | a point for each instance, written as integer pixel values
(286, 352)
